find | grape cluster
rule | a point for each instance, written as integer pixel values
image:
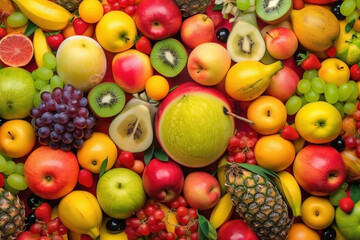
(241, 147)
(353, 141)
(12, 175)
(312, 88)
(53, 228)
(62, 120)
(349, 9)
(127, 6)
(45, 77)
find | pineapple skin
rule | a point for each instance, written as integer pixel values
(191, 7)
(70, 5)
(259, 203)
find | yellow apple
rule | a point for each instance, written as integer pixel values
(317, 212)
(318, 122)
(116, 31)
(95, 150)
(335, 71)
(17, 138)
(208, 63)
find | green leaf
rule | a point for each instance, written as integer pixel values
(303, 58)
(30, 28)
(52, 33)
(103, 167)
(218, 7)
(148, 154)
(206, 230)
(161, 155)
(355, 192)
(261, 171)
(1, 66)
(173, 88)
(349, 25)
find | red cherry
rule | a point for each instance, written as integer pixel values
(126, 159)
(2, 180)
(346, 204)
(107, 8)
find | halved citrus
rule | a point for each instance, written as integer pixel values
(16, 49)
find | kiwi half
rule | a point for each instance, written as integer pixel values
(106, 99)
(168, 57)
(273, 11)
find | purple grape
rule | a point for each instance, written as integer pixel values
(55, 137)
(57, 94)
(83, 112)
(66, 96)
(45, 96)
(88, 133)
(78, 133)
(63, 118)
(70, 126)
(47, 118)
(54, 145)
(43, 132)
(80, 122)
(35, 113)
(42, 107)
(59, 128)
(72, 112)
(61, 107)
(83, 102)
(78, 143)
(77, 94)
(65, 147)
(68, 88)
(33, 120)
(44, 141)
(90, 122)
(74, 103)
(67, 137)
(39, 123)
(51, 105)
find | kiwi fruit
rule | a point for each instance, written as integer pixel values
(106, 99)
(273, 11)
(168, 57)
(245, 42)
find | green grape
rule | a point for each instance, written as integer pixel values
(56, 81)
(310, 74)
(19, 169)
(44, 73)
(17, 181)
(243, 4)
(331, 93)
(353, 16)
(11, 165)
(357, 5)
(304, 85)
(318, 85)
(340, 108)
(345, 91)
(3, 164)
(9, 188)
(34, 75)
(46, 88)
(304, 101)
(17, 19)
(349, 108)
(293, 104)
(355, 91)
(39, 84)
(347, 7)
(37, 99)
(335, 197)
(311, 96)
(6, 157)
(49, 60)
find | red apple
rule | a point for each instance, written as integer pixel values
(158, 19)
(319, 169)
(163, 181)
(51, 174)
(283, 84)
(197, 29)
(236, 229)
(281, 42)
(201, 190)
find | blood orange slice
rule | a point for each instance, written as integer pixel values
(16, 49)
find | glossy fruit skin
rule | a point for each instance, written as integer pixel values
(335, 9)
(317, 212)
(115, 225)
(54, 41)
(236, 229)
(346, 204)
(33, 201)
(338, 143)
(299, 231)
(328, 234)
(222, 34)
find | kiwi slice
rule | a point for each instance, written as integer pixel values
(106, 99)
(168, 57)
(273, 11)
(245, 42)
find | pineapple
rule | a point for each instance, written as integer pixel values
(191, 7)
(12, 215)
(70, 5)
(258, 202)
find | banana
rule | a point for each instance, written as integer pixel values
(292, 191)
(46, 14)
(80, 212)
(40, 46)
(221, 171)
(222, 211)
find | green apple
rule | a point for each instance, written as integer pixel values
(120, 192)
(17, 92)
(348, 223)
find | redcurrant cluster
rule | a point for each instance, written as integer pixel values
(127, 6)
(353, 141)
(49, 230)
(241, 147)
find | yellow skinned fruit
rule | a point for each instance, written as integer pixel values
(106, 235)
(247, 80)
(222, 211)
(170, 217)
(221, 172)
(55, 214)
(40, 46)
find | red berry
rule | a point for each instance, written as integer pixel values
(123, 3)
(234, 141)
(111, 1)
(36, 228)
(57, 237)
(356, 115)
(3, 32)
(350, 142)
(80, 26)
(358, 106)
(184, 220)
(251, 161)
(182, 211)
(115, 6)
(62, 230)
(131, 2)
(2, 180)
(250, 154)
(134, 222)
(194, 226)
(52, 226)
(85, 178)
(182, 201)
(143, 44)
(107, 8)
(130, 10)
(54, 40)
(346, 204)
(159, 214)
(230, 158)
(180, 231)
(192, 213)
(44, 238)
(239, 157)
(141, 214)
(152, 220)
(355, 72)
(144, 229)
(357, 151)
(150, 209)
(43, 212)
(194, 236)
(175, 204)
(126, 159)
(170, 236)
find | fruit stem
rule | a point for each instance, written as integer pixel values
(12, 137)
(269, 34)
(226, 111)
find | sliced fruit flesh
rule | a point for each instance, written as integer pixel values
(16, 50)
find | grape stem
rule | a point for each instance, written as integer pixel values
(226, 111)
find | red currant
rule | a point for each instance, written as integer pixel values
(194, 236)
(184, 220)
(182, 211)
(192, 213)
(240, 157)
(52, 226)
(123, 3)
(170, 236)
(150, 209)
(250, 154)
(111, 1)
(134, 222)
(115, 6)
(152, 220)
(356, 115)
(358, 105)
(230, 158)
(175, 204)
(57, 237)
(159, 214)
(36, 228)
(357, 151)
(234, 141)
(141, 214)
(346, 204)
(62, 230)
(144, 229)
(350, 142)
(107, 8)
(251, 161)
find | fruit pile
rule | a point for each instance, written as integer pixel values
(174, 119)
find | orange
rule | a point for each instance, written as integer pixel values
(299, 231)
(70, 31)
(91, 11)
(157, 87)
(16, 49)
(274, 152)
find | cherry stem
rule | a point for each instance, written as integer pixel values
(12, 137)
(226, 111)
